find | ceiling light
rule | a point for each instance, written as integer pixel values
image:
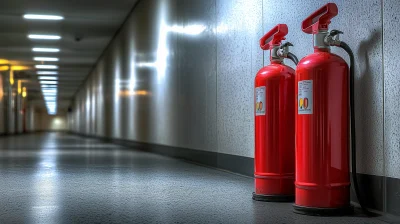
(44, 59)
(49, 91)
(46, 66)
(48, 86)
(39, 49)
(50, 98)
(48, 82)
(53, 89)
(44, 37)
(43, 17)
(50, 94)
(47, 73)
(48, 77)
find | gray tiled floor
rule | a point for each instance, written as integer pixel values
(60, 178)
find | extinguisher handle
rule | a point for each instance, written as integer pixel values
(274, 37)
(320, 19)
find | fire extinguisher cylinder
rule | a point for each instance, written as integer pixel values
(326, 83)
(274, 122)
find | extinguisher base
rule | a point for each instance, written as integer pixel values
(273, 198)
(342, 211)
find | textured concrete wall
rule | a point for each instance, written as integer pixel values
(180, 73)
(362, 26)
(391, 88)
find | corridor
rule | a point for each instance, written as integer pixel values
(62, 178)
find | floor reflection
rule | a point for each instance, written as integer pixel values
(45, 202)
(47, 178)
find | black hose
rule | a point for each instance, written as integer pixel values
(293, 57)
(361, 200)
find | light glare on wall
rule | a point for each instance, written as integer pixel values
(188, 30)
(20, 68)
(19, 87)
(11, 77)
(24, 92)
(4, 68)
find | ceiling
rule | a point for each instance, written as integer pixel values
(87, 28)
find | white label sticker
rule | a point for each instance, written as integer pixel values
(305, 97)
(260, 101)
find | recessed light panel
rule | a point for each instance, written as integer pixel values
(47, 73)
(44, 37)
(48, 50)
(45, 59)
(48, 82)
(43, 17)
(46, 66)
(48, 78)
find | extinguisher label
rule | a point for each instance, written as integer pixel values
(305, 97)
(260, 101)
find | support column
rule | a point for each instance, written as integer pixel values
(9, 103)
(18, 110)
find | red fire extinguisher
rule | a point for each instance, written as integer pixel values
(323, 89)
(274, 121)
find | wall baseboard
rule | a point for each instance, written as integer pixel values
(372, 185)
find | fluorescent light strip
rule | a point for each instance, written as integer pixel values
(43, 17)
(44, 37)
(47, 73)
(49, 90)
(49, 86)
(50, 98)
(45, 59)
(51, 50)
(46, 66)
(48, 82)
(48, 78)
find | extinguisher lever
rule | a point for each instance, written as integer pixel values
(274, 37)
(287, 44)
(332, 39)
(335, 32)
(284, 52)
(320, 19)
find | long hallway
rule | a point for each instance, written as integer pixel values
(62, 178)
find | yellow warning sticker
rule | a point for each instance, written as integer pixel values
(260, 104)
(305, 97)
